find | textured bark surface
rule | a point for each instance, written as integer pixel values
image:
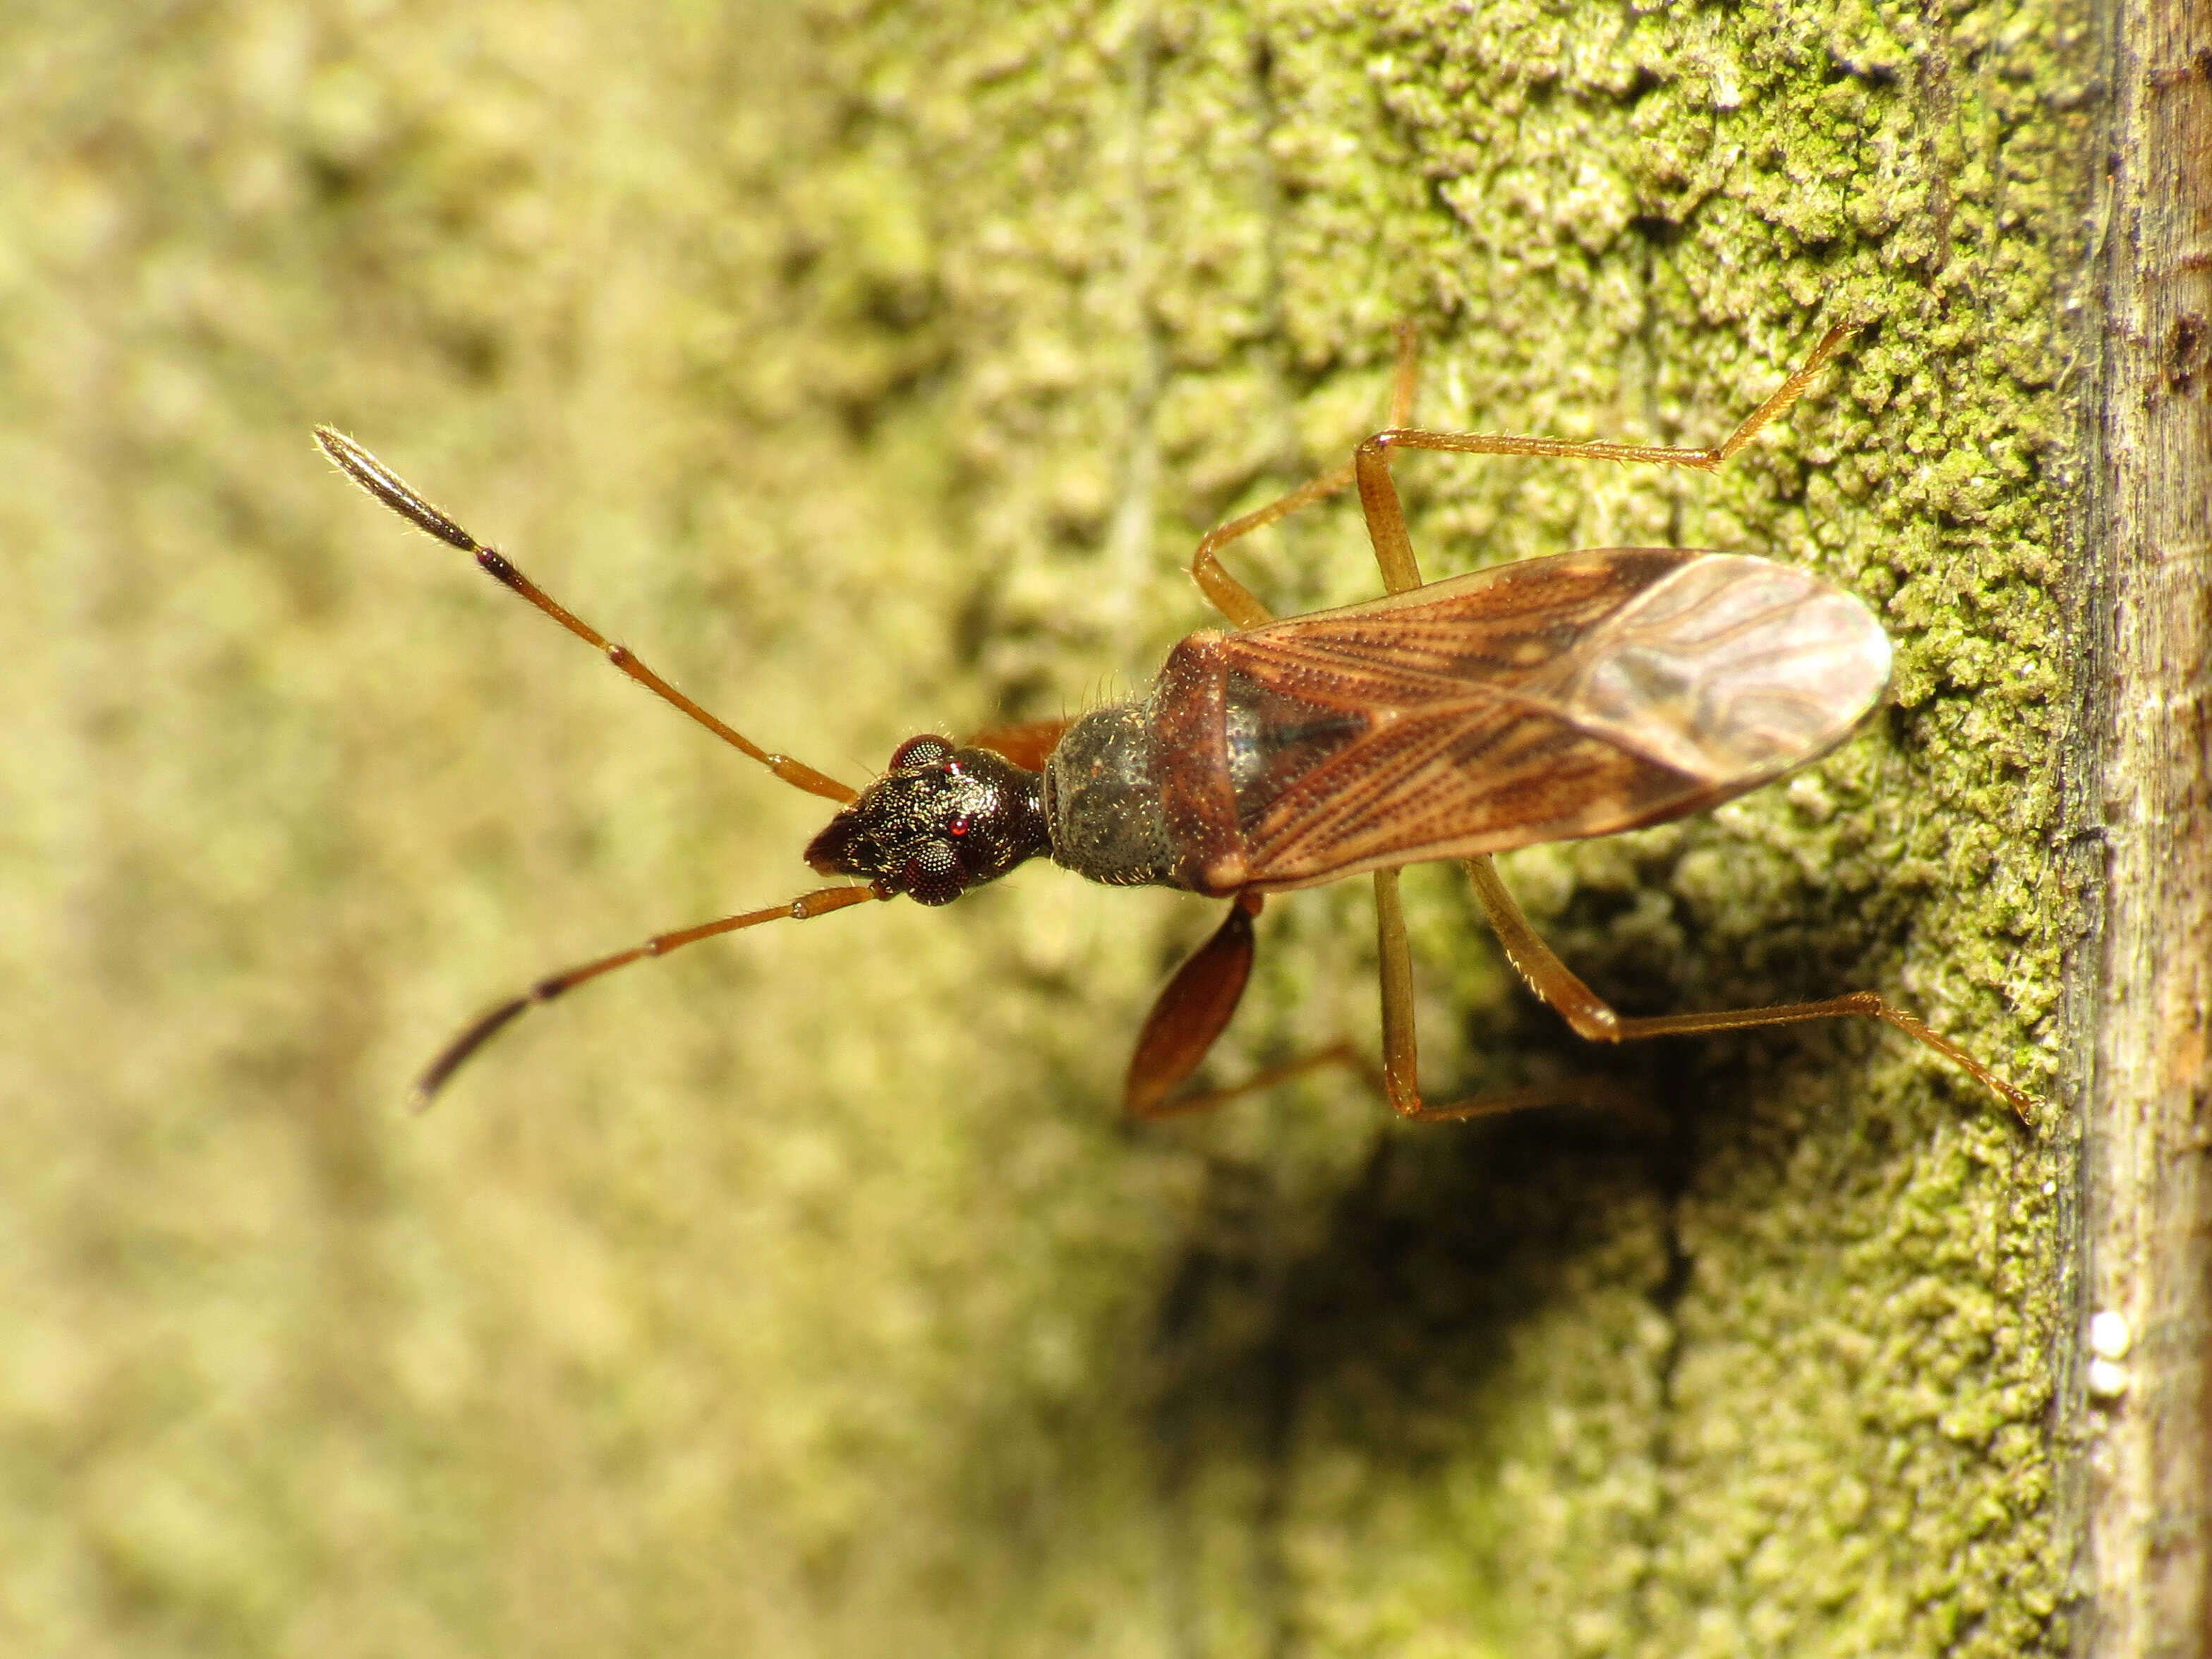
(870, 371)
(2147, 974)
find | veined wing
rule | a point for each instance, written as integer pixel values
(1553, 698)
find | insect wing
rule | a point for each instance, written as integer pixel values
(1733, 669)
(1579, 694)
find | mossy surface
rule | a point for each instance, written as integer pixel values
(872, 370)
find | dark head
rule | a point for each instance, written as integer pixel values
(940, 821)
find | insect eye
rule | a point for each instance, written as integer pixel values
(920, 751)
(959, 826)
(932, 875)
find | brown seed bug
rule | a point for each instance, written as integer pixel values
(1575, 695)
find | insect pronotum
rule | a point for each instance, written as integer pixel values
(1579, 694)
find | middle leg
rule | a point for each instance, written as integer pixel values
(1402, 1059)
(1230, 597)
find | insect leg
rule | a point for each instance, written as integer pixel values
(1401, 1060)
(1402, 1064)
(1230, 597)
(1386, 517)
(1591, 1017)
(1199, 1001)
(1340, 1053)
(1701, 460)
(396, 493)
(1191, 1012)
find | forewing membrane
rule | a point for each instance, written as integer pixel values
(1554, 698)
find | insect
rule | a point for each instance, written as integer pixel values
(1574, 695)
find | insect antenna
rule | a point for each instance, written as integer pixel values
(456, 1053)
(394, 491)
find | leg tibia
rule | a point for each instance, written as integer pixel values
(1591, 1017)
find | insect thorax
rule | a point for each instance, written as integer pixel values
(1102, 800)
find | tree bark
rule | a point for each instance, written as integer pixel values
(872, 370)
(2147, 626)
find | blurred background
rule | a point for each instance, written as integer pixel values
(872, 370)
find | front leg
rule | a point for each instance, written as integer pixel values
(1192, 1011)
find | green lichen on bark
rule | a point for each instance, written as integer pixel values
(871, 370)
